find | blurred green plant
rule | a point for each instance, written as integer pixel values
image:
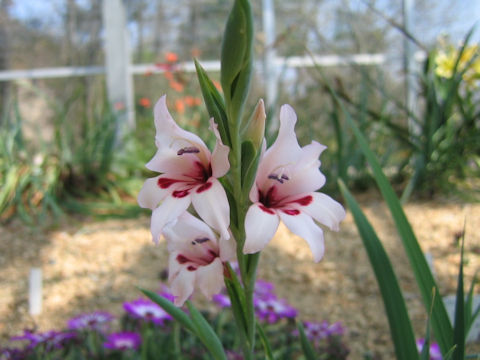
(451, 339)
(445, 139)
(84, 169)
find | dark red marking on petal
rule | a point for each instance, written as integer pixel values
(267, 210)
(164, 183)
(204, 187)
(291, 211)
(306, 200)
(182, 259)
(180, 193)
(191, 268)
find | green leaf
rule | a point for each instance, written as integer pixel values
(400, 326)
(423, 275)
(306, 346)
(459, 323)
(266, 344)
(236, 60)
(170, 308)
(206, 334)
(214, 102)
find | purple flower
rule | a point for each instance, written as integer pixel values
(222, 300)
(50, 339)
(146, 310)
(264, 290)
(167, 294)
(273, 309)
(12, 354)
(123, 341)
(435, 353)
(323, 330)
(97, 320)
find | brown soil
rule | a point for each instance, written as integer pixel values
(90, 265)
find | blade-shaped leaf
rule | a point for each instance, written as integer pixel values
(206, 334)
(266, 344)
(440, 322)
(400, 326)
(168, 306)
(306, 346)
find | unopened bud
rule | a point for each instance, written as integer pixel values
(255, 130)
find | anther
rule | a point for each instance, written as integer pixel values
(200, 240)
(188, 150)
(280, 179)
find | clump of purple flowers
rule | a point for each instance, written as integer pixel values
(146, 310)
(123, 341)
(268, 307)
(98, 320)
(49, 340)
(319, 331)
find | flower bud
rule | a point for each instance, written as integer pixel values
(255, 129)
(236, 59)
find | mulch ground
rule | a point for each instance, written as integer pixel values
(89, 265)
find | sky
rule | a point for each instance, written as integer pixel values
(461, 16)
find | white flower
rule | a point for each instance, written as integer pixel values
(189, 176)
(284, 189)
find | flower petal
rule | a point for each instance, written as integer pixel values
(285, 150)
(211, 203)
(260, 227)
(325, 210)
(167, 212)
(304, 226)
(167, 130)
(209, 278)
(186, 229)
(182, 286)
(227, 249)
(151, 194)
(219, 160)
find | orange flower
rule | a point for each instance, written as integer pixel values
(192, 101)
(180, 106)
(145, 102)
(119, 105)
(217, 85)
(171, 57)
(168, 75)
(175, 85)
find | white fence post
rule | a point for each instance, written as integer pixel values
(117, 63)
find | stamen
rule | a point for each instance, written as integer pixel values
(188, 150)
(200, 240)
(280, 178)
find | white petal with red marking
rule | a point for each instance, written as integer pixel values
(182, 286)
(186, 229)
(209, 278)
(151, 194)
(260, 227)
(304, 226)
(166, 213)
(220, 163)
(325, 210)
(211, 203)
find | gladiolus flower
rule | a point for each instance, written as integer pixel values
(284, 189)
(189, 176)
(196, 258)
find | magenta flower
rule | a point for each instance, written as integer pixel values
(323, 330)
(50, 339)
(196, 258)
(287, 177)
(435, 353)
(146, 310)
(123, 341)
(97, 320)
(272, 309)
(189, 176)
(264, 290)
(222, 300)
